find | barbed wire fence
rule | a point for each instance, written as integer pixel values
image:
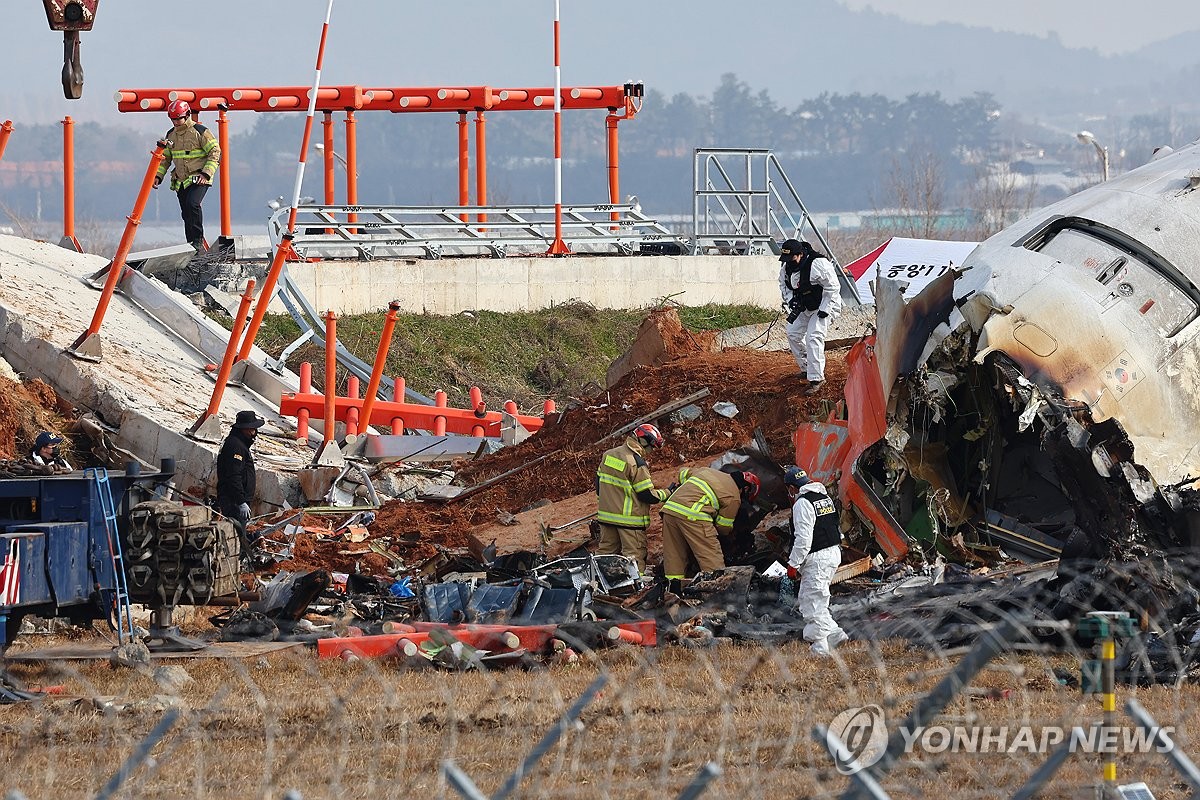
(974, 689)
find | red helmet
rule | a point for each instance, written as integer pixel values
(648, 435)
(750, 485)
(178, 109)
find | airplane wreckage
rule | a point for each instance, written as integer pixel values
(1045, 398)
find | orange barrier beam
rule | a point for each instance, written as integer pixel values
(6, 130)
(239, 322)
(535, 638)
(274, 98)
(223, 172)
(118, 263)
(383, 412)
(69, 185)
(395, 99)
(385, 343)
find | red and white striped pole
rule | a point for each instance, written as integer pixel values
(285, 243)
(558, 247)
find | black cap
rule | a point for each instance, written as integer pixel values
(248, 419)
(790, 248)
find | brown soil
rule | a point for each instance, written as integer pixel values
(25, 410)
(765, 386)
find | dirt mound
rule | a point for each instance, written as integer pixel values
(660, 338)
(25, 410)
(765, 387)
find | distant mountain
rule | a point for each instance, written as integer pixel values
(1179, 52)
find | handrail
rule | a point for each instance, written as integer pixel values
(497, 230)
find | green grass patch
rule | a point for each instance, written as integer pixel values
(558, 352)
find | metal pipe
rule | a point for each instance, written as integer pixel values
(69, 183)
(268, 291)
(330, 374)
(464, 181)
(285, 243)
(239, 321)
(327, 148)
(223, 171)
(991, 643)
(558, 247)
(5, 131)
(351, 167)
(302, 415)
(381, 351)
(614, 179)
(397, 397)
(480, 165)
(118, 263)
(352, 412)
(1183, 765)
(439, 422)
(1108, 702)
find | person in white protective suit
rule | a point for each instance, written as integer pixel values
(815, 557)
(808, 284)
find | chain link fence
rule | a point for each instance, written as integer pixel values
(974, 687)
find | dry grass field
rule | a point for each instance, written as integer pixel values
(258, 727)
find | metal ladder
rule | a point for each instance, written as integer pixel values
(124, 609)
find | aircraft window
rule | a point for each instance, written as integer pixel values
(1133, 274)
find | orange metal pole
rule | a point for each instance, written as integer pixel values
(330, 373)
(481, 164)
(385, 343)
(558, 247)
(302, 416)
(397, 396)
(352, 412)
(69, 183)
(479, 407)
(614, 180)
(118, 263)
(351, 167)
(5, 131)
(223, 171)
(268, 291)
(330, 176)
(464, 181)
(239, 321)
(439, 422)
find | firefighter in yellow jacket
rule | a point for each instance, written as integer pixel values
(195, 153)
(702, 508)
(625, 493)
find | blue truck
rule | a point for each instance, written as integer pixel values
(59, 544)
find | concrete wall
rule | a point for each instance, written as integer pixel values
(451, 285)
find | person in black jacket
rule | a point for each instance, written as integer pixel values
(235, 470)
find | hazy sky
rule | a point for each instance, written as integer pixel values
(674, 45)
(1110, 26)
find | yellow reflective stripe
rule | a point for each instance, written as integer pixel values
(612, 462)
(709, 494)
(209, 145)
(723, 522)
(642, 486)
(189, 153)
(697, 511)
(622, 520)
(688, 512)
(613, 480)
